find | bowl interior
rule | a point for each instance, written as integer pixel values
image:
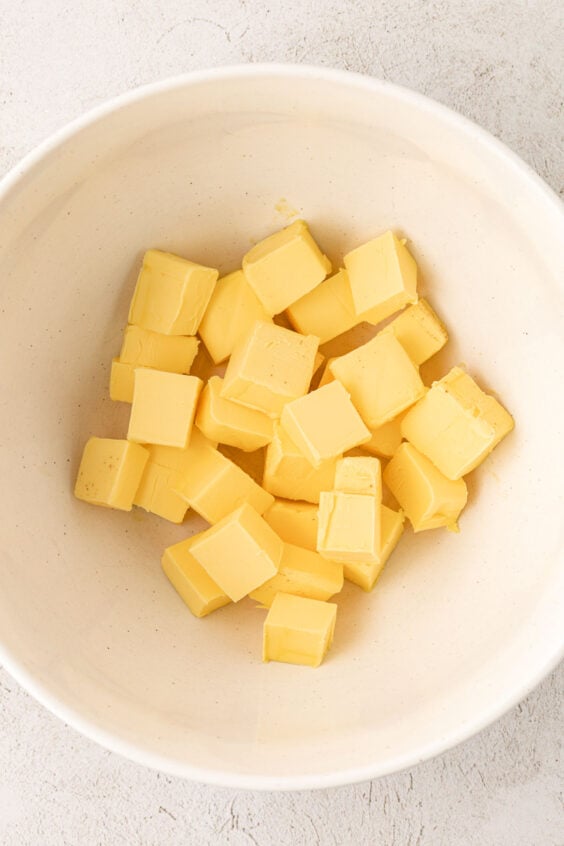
(459, 625)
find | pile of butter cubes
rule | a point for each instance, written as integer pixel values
(318, 516)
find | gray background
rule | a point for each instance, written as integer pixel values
(499, 63)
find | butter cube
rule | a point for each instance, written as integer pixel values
(232, 311)
(190, 580)
(324, 424)
(383, 277)
(294, 522)
(301, 573)
(285, 266)
(298, 630)
(163, 408)
(419, 331)
(173, 353)
(349, 527)
(386, 438)
(327, 311)
(456, 424)
(289, 474)
(359, 474)
(270, 367)
(228, 422)
(156, 493)
(239, 553)
(122, 380)
(391, 527)
(181, 460)
(428, 498)
(110, 472)
(381, 378)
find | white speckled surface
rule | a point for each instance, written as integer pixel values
(498, 63)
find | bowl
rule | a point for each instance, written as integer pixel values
(459, 627)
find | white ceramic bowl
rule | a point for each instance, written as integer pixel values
(460, 627)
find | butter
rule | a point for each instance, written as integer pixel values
(289, 474)
(359, 474)
(349, 527)
(239, 553)
(232, 311)
(429, 499)
(391, 527)
(229, 423)
(324, 424)
(181, 459)
(386, 438)
(190, 580)
(419, 331)
(301, 573)
(156, 493)
(381, 379)
(110, 471)
(171, 294)
(285, 266)
(122, 380)
(270, 367)
(456, 424)
(383, 277)
(327, 311)
(163, 408)
(298, 630)
(173, 353)
(294, 522)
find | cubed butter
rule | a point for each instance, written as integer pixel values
(419, 331)
(163, 408)
(324, 424)
(171, 294)
(122, 380)
(383, 277)
(298, 630)
(110, 472)
(302, 573)
(359, 474)
(232, 311)
(349, 527)
(327, 311)
(229, 422)
(181, 459)
(239, 553)
(429, 499)
(173, 353)
(381, 379)
(386, 438)
(456, 424)
(285, 266)
(198, 590)
(391, 529)
(294, 522)
(289, 474)
(156, 493)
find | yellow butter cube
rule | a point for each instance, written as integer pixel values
(163, 408)
(122, 380)
(289, 474)
(110, 472)
(429, 499)
(359, 474)
(298, 630)
(181, 459)
(285, 266)
(419, 331)
(171, 294)
(294, 522)
(156, 493)
(174, 353)
(229, 422)
(324, 424)
(232, 311)
(383, 277)
(327, 311)
(386, 438)
(198, 590)
(239, 553)
(270, 367)
(381, 378)
(349, 527)
(456, 424)
(302, 573)
(391, 528)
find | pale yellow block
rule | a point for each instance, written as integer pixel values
(391, 528)
(302, 573)
(294, 522)
(270, 367)
(324, 424)
(122, 380)
(298, 630)
(359, 474)
(349, 527)
(327, 375)
(198, 590)
(163, 408)
(110, 471)
(381, 378)
(232, 311)
(289, 474)
(228, 422)
(327, 311)
(386, 438)
(383, 277)
(173, 353)
(181, 459)
(429, 499)
(156, 493)
(171, 294)
(420, 332)
(456, 424)
(239, 553)
(285, 266)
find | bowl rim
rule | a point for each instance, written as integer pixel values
(230, 778)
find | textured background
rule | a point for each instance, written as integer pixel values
(496, 62)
